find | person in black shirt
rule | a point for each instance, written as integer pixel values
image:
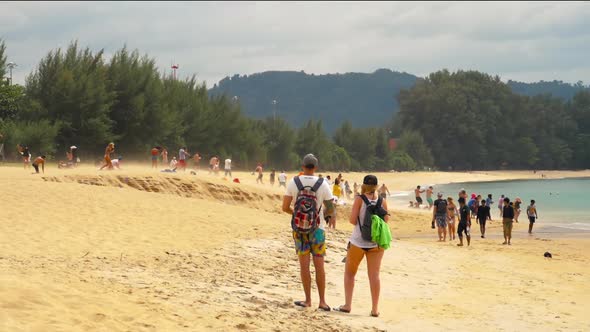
(439, 214)
(483, 214)
(507, 219)
(464, 222)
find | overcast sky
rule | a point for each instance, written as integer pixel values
(520, 41)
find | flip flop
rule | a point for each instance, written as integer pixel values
(301, 304)
(325, 308)
(340, 309)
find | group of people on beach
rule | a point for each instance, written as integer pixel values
(445, 214)
(310, 193)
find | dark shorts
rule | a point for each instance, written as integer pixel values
(314, 243)
(482, 222)
(532, 220)
(260, 176)
(154, 158)
(419, 200)
(441, 220)
(463, 228)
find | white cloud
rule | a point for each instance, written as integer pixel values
(523, 41)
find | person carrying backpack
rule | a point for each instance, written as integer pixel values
(439, 214)
(369, 213)
(310, 193)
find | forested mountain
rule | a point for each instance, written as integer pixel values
(363, 99)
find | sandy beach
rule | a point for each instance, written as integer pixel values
(140, 250)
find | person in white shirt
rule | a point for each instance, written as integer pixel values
(282, 179)
(313, 243)
(228, 167)
(173, 163)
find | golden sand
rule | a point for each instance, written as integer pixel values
(140, 250)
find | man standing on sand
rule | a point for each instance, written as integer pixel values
(464, 222)
(259, 171)
(383, 191)
(429, 197)
(531, 212)
(39, 161)
(155, 152)
(313, 243)
(439, 214)
(272, 177)
(507, 220)
(282, 179)
(182, 158)
(227, 167)
(417, 191)
(110, 149)
(483, 214)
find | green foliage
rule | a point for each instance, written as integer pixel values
(401, 161)
(11, 98)
(39, 135)
(412, 143)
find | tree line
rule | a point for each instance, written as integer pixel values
(462, 120)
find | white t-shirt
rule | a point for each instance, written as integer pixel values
(282, 177)
(181, 154)
(323, 194)
(228, 164)
(356, 237)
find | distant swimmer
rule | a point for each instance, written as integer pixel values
(417, 191)
(531, 211)
(110, 149)
(39, 161)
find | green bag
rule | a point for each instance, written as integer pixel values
(380, 232)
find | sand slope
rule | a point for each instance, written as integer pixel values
(137, 250)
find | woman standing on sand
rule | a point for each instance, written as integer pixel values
(517, 210)
(452, 217)
(359, 248)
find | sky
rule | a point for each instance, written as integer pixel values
(527, 42)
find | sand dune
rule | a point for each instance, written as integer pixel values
(140, 250)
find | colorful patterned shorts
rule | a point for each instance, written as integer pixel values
(314, 243)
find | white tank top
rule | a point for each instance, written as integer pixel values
(356, 238)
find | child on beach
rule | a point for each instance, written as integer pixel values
(531, 211)
(464, 222)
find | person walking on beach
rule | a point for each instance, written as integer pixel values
(483, 214)
(227, 167)
(272, 177)
(355, 187)
(517, 203)
(310, 193)
(464, 222)
(439, 214)
(507, 220)
(501, 204)
(359, 247)
(24, 152)
(282, 179)
(347, 189)
(110, 149)
(155, 153)
(39, 161)
(417, 192)
(531, 212)
(452, 217)
(429, 197)
(259, 171)
(383, 191)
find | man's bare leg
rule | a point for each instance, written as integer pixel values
(304, 261)
(320, 279)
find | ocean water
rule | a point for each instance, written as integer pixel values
(560, 202)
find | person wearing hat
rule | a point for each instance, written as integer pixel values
(439, 214)
(358, 247)
(314, 242)
(107, 156)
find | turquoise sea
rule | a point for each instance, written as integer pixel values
(560, 202)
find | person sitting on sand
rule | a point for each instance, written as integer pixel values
(358, 247)
(483, 214)
(173, 163)
(464, 222)
(531, 212)
(507, 220)
(117, 162)
(314, 241)
(39, 161)
(417, 191)
(107, 156)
